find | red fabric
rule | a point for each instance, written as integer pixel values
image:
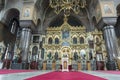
(110, 72)
(6, 64)
(70, 67)
(66, 76)
(5, 71)
(33, 65)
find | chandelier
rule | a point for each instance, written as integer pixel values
(67, 6)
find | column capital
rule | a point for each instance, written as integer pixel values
(26, 29)
(108, 27)
(27, 24)
(106, 21)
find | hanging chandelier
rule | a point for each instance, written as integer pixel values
(67, 6)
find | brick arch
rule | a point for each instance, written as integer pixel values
(9, 15)
(118, 10)
(117, 28)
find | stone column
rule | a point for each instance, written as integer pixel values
(111, 45)
(24, 43)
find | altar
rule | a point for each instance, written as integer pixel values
(65, 64)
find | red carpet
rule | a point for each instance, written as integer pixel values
(4, 71)
(110, 72)
(66, 76)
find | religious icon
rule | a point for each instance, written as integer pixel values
(56, 55)
(107, 9)
(65, 34)
(36, 39)
(75, 56)
(27, 12)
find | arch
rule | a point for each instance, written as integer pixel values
(117, 28)
(50, 40)
(66, 51)
(74, 21)
(82, 41)
(13, 25)
(56, 40)
(59, 20)
(74, 40)
(97, 39)
(56, 21)
(9, 15)
(34, 50)
(74, 35)
(83, 54)
(118, 10)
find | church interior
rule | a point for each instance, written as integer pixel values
(60, 35)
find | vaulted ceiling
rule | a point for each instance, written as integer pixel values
(48, 17)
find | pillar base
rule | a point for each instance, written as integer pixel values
(111, 65)
(100, 65)
(6, 64)
(34, 65)
(25, 65)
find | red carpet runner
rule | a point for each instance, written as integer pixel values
(66, 76)
(5, 71)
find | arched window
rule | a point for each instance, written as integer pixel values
(91, 44)
(56, 41)
(34, 50)
(14, 25)
(42, 53)
(74, 40)
(81, 40)
(50, 40)
(97, 40)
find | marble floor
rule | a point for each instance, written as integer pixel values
(24, 75)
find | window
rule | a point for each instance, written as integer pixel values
(56, 41)
(91, 44)
(74, 40)
(35, 39)
(34, 50)
(81, 40)
(50, 40)
(13, 26)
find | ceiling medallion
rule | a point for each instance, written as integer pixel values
(67, 6)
